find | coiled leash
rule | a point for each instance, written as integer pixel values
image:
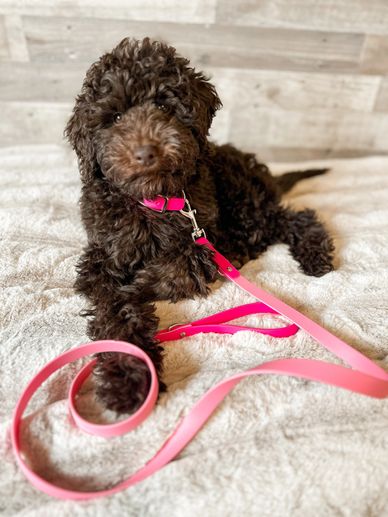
(365, 378)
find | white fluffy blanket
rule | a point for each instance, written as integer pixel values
(277, 446)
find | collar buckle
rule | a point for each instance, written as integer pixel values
(150, 203)
(164, 207)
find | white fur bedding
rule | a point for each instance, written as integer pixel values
(277, 446)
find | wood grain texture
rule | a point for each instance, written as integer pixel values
(314, 128)
(17, 45)
(32, 123)
(294, 154)
(51, 82)
(298, 78)
(193, 11)
(225, 46)
(339, 15)
(295, 91)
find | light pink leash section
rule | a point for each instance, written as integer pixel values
(366, 378)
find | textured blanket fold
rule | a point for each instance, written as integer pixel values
(277, 446)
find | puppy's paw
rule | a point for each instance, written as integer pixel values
(123, 382)
(318, 260)
(317, 268)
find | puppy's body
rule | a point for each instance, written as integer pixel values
(140, 130)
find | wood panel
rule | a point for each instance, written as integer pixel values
(224, 46)
(17, 46)
(370, 16)
(51, 82)
(287, 90)
(298, 78)
(295, 91)
(310, 129)
(295, 154)
(32, 123)
(193, 11)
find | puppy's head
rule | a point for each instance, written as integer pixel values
(142, 119)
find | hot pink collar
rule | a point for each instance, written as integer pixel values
(163, 204)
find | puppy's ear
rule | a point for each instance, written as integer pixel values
(80, 137)
(209, 100)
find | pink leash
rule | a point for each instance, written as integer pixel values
(365, 378)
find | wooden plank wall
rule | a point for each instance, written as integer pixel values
(298, 78)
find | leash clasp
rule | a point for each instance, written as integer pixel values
(190, 214)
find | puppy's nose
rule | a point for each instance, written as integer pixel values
(146, 155)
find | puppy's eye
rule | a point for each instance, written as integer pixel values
(117, 117)
(163, 107)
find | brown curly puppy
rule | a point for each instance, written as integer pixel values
(139, 128)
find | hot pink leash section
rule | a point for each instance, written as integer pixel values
(365, 378)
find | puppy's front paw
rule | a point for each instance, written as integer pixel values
(123, 382)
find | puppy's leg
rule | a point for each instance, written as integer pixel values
(184, 274)
(249, 232)
(124, 311)
(308, 240)
(123, 381)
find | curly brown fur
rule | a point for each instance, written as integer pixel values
(139, 128)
